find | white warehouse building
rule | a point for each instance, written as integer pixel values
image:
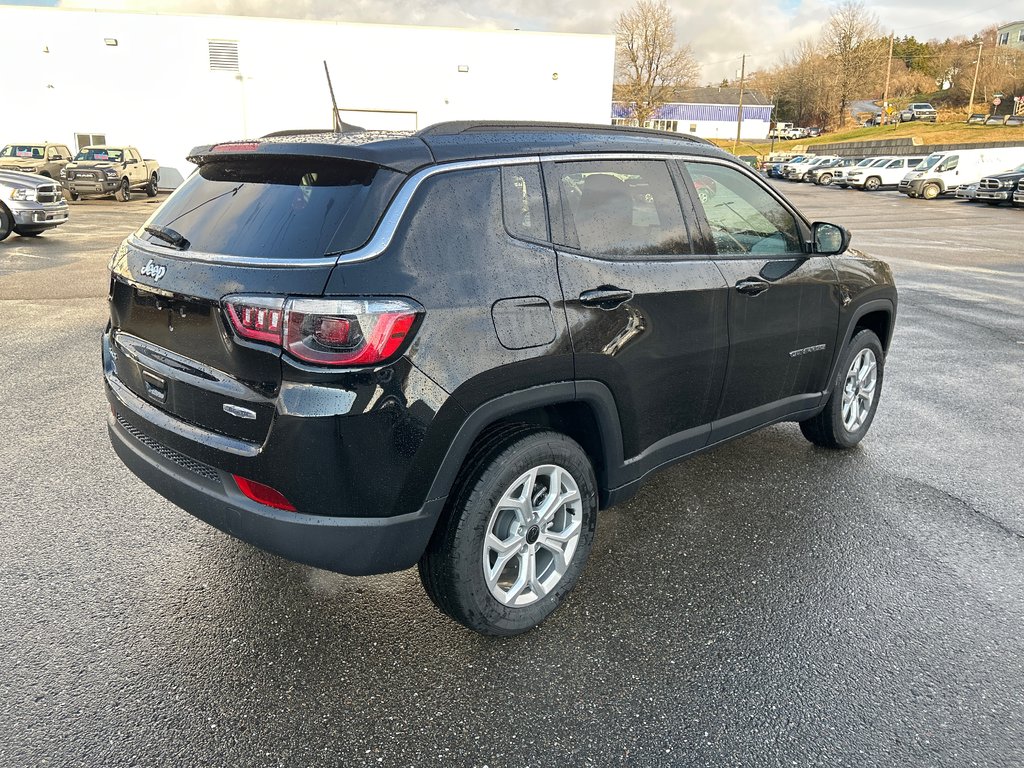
(710, 113)
(166, 83)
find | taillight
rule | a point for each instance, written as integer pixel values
(326, 331)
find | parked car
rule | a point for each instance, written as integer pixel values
(917, 111)
(780, 130)
(943, 172)
(107, 170)
(796, 171)
(40, 157)
(882, 174)
(839, 175)
(484, 355)
(967, 192)
(825, 163)
(30, 204)
(824, 174)
(776, 169)
(1000, 187)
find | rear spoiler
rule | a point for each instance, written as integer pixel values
(397, 150)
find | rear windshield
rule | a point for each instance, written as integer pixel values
(281, 208)
(113, 155)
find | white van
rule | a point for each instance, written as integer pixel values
(943, 172)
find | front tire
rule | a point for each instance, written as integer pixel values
(6, 222)
(930, 191)
(825, 179)
(124, 192)
(516, 534)
(151, 187)
(872, 184)
(850, 409)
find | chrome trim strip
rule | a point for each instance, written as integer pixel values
(393, 215)
(155, 416)
(388, 226)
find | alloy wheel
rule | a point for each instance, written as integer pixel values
(859, 390)
(531, 535)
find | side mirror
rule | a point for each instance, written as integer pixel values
(830, 239)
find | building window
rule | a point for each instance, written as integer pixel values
(1004, 38)
(223, 55)
(663, 125)
(629, 122)
(693, 127)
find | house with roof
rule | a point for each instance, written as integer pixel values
(1011, 34)
(710, 113)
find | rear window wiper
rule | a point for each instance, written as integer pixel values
(168, 235)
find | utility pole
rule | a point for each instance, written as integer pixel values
(739, 114)
(977, 66)
(888, 72)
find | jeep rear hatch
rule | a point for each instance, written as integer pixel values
(258, 226)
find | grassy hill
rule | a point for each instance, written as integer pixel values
(927, 133)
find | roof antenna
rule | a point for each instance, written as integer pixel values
(334, 103)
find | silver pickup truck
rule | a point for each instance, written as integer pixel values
(109, 170)
(30, 204)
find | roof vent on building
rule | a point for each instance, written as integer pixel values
(223, 55)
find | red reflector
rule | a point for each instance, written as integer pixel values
(263, 494)
(333, 331)
(237, 146)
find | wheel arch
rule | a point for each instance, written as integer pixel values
(583, 410)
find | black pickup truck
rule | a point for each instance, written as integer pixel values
(999, 188)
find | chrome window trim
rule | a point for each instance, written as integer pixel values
(388, 225)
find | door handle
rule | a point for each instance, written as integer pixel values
(752, 286)
(605, 297)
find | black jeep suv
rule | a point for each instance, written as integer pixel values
(367, 351)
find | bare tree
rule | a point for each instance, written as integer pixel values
(856, 52)
(648, 62)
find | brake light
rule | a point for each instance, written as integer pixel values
(263, 494)
(331, 332)
(237, 146)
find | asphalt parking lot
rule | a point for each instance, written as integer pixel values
(766, 604)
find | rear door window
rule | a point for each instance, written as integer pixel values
(622, 208)
(280, 207)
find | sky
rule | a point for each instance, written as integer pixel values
(718, 31)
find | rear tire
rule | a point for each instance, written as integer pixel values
(74, 196)
(506, 552)
(856, 390)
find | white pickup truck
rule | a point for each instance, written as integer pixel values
(29, 204)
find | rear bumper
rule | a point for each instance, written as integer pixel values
(349, 545)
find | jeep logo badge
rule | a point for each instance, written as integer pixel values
(154, 270)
